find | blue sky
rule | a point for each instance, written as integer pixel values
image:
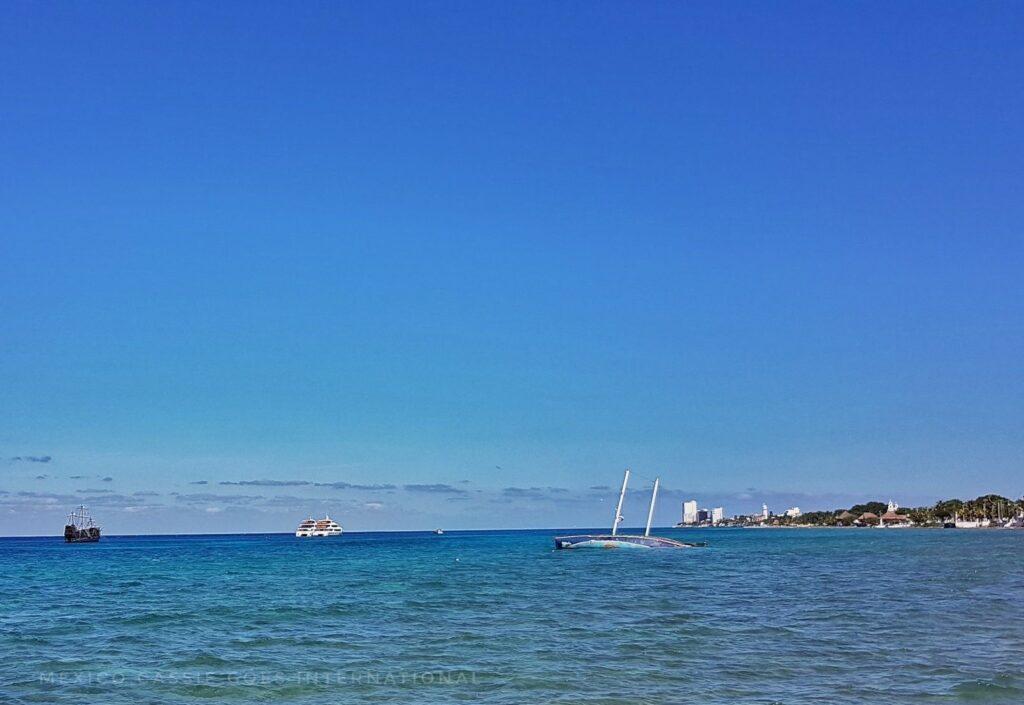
(456, 264)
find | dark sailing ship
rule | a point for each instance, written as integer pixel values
(81, 528)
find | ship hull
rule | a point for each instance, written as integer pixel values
(620, 541)
(76, 535)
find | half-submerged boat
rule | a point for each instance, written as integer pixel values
(617, 540)
(81, 528)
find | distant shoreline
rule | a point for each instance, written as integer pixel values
(559, 529)
(450, 532)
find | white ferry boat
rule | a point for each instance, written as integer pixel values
(318, 527)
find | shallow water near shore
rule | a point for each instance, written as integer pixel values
(760, 616)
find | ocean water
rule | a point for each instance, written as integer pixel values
(760, 616)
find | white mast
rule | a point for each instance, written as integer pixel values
(650, 512)
(618, 507)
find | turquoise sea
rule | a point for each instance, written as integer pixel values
(760, 616)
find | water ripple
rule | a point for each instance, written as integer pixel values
(759, 617)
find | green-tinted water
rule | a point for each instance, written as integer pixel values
(763, 616)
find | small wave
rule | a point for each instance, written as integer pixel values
(149, 618)
(1003, 689)
(265, 641)
(203, 659)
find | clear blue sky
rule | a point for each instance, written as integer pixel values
(479, 258)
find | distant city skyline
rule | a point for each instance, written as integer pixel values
(459, 265)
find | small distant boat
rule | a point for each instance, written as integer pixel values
(81, 528)
(318, 527)
(616, 540)
(438, 531)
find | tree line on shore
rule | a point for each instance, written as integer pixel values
(989, 506)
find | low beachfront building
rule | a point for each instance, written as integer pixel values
(867, 519)
(846, 518)
(893, 517)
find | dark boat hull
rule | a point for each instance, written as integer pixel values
(75, 535)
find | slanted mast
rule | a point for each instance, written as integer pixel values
(650, 512)
(618, 507)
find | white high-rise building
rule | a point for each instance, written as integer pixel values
(690, 512)
(717, 514)
(765, 514)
